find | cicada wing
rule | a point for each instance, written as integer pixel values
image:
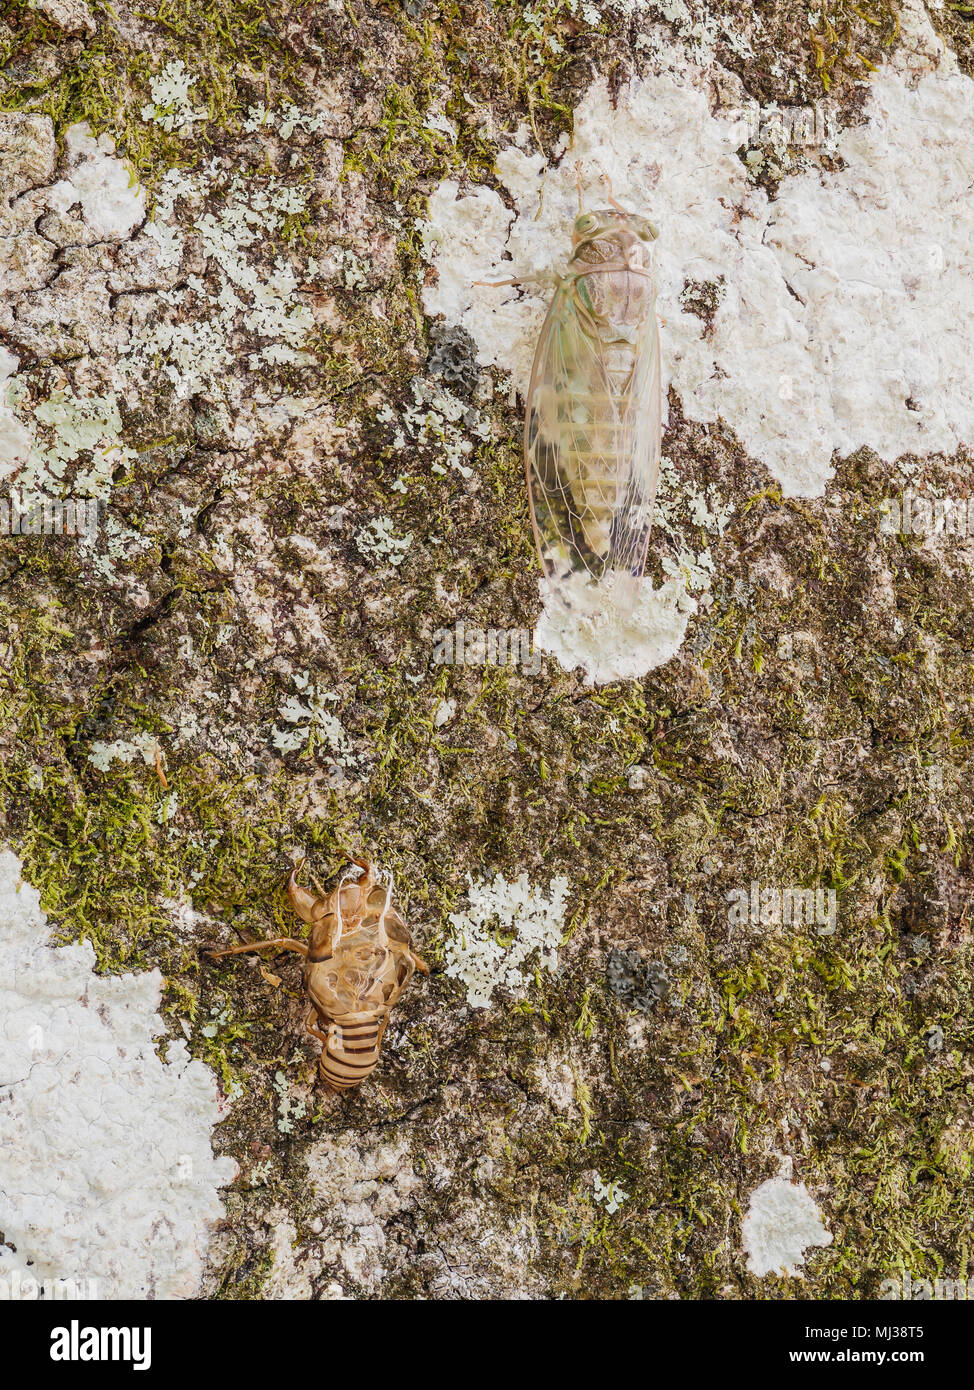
(566, 397)
(640, 442)
(591, 445)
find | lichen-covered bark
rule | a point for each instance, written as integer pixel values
(304, 480)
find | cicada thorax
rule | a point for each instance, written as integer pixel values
(614, 275)
(592, 426)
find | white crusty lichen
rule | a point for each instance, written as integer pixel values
(126, 750)
(103, 186)
(308, 721)
(285, 121)
(377, 542)
(57, 439)
(191, 334)
(782, 1221)
(505, 931)
(205, 293)
(172, 101)
(107, 1175)
(358, 1192)
(64, 441)
(608, 1194)
(15, 436)
(610, 645)
(289, 1109)
(439, 420)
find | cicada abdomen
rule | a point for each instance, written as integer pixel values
(593, 422)
(351, 1051)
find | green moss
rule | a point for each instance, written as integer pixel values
(245, 1273)
(850, 40)
(232, 47)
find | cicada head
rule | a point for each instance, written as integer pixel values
(610, 222)
(610, 235)
(611, 258)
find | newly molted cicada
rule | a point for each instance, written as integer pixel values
(357, 962)
(593, 423)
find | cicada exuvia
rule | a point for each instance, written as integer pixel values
(593, 422)
(357, 962)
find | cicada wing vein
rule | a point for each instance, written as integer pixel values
(640, 445)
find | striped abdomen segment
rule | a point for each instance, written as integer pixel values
(351, 1051)
(596, 436)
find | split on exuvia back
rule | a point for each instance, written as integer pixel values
(593, 419)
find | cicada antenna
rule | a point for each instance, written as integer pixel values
(612, 202)
(578, 182)
(321, 891)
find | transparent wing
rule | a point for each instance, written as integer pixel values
(592, 444)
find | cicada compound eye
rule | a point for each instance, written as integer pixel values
(646, 230)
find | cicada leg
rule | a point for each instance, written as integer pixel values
(544, 279)
(416, 962)
(280, 943)
(305, 904)
(310, 1026)
(369, 877)
(398, 948)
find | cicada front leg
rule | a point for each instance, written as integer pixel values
(418, 962)
(308, 907)
(540, 280)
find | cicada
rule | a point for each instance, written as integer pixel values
(357, 962)
(593, 422)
